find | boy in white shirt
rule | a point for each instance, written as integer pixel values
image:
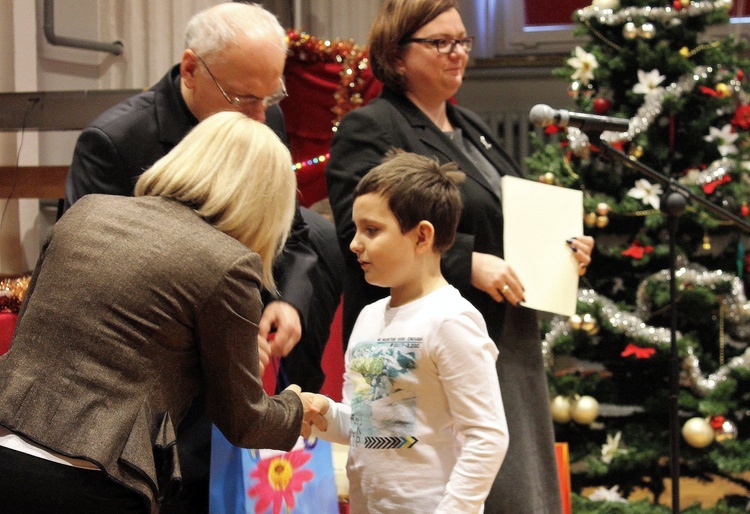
(422, 410)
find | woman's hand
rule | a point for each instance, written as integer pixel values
(492, 275)
(582, 247)
(315, 407)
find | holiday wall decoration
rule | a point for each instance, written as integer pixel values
(682, 86)
(325, 79)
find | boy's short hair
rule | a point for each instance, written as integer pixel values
(418, 188)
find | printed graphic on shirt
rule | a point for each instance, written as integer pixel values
(384, 399)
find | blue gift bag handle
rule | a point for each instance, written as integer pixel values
(282, 380)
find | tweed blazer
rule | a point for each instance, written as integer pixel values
(127, 139)
(135, 306)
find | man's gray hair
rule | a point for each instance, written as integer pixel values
(213, 29)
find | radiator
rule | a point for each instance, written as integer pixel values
(513, 129)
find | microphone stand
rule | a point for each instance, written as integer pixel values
(673, 205)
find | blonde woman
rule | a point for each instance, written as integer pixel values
(138, 304)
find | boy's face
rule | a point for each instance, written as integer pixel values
(386, 255)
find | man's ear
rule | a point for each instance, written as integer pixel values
(425, 233)
(188, 64)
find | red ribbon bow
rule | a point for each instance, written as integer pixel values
(711, 186)
(640, 353)
(709, 91)
(637, 250)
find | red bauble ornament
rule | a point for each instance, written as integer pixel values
(602, 105)
(744, 210)
(716, 422)
(677, 5)
(740, 75)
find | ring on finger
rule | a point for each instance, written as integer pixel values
(504, 289)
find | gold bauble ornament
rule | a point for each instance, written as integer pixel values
(636, 151)
(584, 410)
(602, 208)
(647, 30)
(706, 245)
(560, 408)
(575, 322)
(589, 324)
(602, 221)
(685, 52)
(698, 432)
(547, 178)
(723, 90)
(684, 3)
(629, 30)
(589, 219)
(574, 89)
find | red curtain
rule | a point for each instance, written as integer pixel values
(544, 12)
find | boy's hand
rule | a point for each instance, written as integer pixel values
(316, 405)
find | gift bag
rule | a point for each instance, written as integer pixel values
(300, 481)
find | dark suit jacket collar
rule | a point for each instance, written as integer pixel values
(173, 116)
(432, 137)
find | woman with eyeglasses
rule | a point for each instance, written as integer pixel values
(419, 50)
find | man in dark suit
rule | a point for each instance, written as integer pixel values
(233, 60)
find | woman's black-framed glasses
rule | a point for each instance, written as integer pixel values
(444, 45)
(246, 100)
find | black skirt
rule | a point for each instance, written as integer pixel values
(30, 484)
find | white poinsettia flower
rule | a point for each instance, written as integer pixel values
(647, 192)
(648, 83)
(584, 63)
(611, 447)
(723, 137)
(607, 495)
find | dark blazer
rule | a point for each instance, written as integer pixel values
(135, 306)
(392, 121)
(527, 481)
(124, 141)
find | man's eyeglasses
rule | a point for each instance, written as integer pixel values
(247, 100)
(444, 45)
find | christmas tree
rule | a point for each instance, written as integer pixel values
(682, 85)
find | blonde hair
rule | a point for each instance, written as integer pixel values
(236, 174)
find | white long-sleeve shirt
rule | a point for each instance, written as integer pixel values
(421, 408)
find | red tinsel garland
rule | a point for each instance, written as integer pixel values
(12, 291)
(356, 79)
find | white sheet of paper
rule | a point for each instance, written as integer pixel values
(538, 218)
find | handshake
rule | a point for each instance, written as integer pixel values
(314, 406)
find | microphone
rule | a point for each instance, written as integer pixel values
(543, 115)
